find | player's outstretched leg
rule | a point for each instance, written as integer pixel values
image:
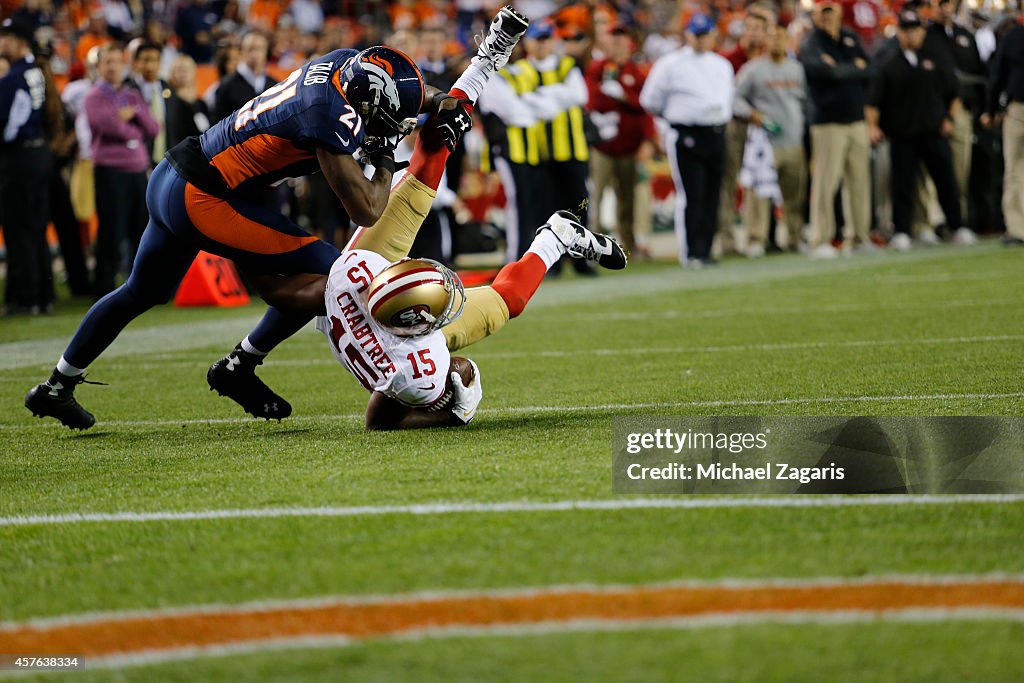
(581, 243)
(487, 309)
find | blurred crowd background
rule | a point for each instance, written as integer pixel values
(689, 129)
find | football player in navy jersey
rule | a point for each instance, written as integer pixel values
(207, 195)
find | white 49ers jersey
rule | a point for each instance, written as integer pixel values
(412, 370)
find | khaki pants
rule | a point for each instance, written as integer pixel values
(392, 236)
(735, 141)
(619, 174)
(83, 190)
(791, 166)
(840, 153)
(1013, 180)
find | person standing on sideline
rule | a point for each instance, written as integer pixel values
(838, 73)
(614, 85)
(121, 128)
(959, 46)
(156, 92)
(249, 78)
(757, 25)
(691, 91)
(1008, 80)
(25, 165)
(771, 93)
(912, 101)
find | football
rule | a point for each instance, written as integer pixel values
(464, 368)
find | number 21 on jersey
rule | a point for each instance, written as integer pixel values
(268, 99)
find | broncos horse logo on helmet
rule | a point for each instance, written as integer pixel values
(385, 88)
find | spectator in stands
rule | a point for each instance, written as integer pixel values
(25, 163)
(837, 72)
(250, 77)
(194, 26)
(156, 92)
(771, 94)
(912, 101)
(691, 89)
(186, 113)
(1008, 82)
(121, 127)
(614, 86)
(83, 189)
(227, 62)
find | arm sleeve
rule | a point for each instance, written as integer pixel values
(7, 90)
(144, 118)
(501, 100)
(597, 100)
(743, 105)
(875, 95)
(104, 121)
(653, 94)
(334, 126)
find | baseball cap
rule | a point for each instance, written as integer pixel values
(908, 18)
(826, 4)
(540, 30)
(700, 24)
(16, 27)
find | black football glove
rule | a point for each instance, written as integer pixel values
(449, 123)
(379, 152)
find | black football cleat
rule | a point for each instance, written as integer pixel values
(234, 376)
(56, 398)
(495, 47)
(581, 243)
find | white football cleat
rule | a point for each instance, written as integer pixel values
(928, 237)
(824, 252)
(579, 242)
(964, 235)
(495, 48)
(900, 242)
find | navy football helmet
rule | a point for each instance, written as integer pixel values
(385, 88)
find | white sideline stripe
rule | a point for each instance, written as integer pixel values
(516, 410)
(674, 350)
(723, 620)
(260, 606)
(442, 508)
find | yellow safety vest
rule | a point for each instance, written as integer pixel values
(560, 139)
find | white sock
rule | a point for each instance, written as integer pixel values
(472, 81)
(67, 369)
(547, 247)
(249, 348)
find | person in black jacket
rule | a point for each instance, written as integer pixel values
(25, 168)
(248, 80)
(838, 71)
(960, 48)
(1008, 80)
(912, 100)
(186, 112)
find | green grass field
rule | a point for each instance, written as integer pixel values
(934, 332)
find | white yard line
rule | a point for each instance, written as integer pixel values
(517, 410)
(447, 508)
(145, 362)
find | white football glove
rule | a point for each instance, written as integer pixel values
(466, 399)
(613, 89)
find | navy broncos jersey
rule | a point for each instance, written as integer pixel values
(275, 135)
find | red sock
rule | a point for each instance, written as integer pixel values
(518, 281)
(427, 162)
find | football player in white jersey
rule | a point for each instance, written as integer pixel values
(393, 321)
